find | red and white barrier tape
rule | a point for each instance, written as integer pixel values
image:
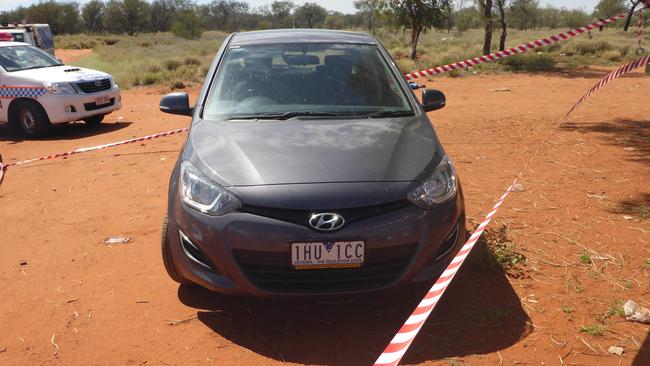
(400, 343)
(609, 78)
(4, 167)
(512, 51)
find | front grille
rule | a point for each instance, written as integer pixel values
(301, 217)
(93, 106)
(94, 87)
(273, 271)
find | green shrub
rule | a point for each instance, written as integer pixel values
(192, 61)
(76, 42)
(172, 65)
(154, 69)
(151, 78)
(534, 62)
(110, 41)
(177, 84)
(612, 55)
(588, 47)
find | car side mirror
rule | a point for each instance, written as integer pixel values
(433, 99)
(176, 103)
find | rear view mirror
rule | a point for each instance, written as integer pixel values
(176, 103)
(433, 99)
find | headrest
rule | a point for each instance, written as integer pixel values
(339, 62)
(259, 61)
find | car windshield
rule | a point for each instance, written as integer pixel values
(305, 79)
(17, 58)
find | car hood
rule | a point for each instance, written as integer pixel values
(62, 73)
(254, 153)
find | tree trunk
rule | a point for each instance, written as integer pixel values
(504, 25)
(628, 21)
(415, 37)
(487, 43)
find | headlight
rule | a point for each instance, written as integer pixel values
(202, 194)
(60, 88)
(440, 187)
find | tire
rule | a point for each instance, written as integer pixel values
(94, 120)
(167, 256)
(31, 119)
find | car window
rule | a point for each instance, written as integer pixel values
(18, 37)
(46, 40)
(17, 58)
(304, 77)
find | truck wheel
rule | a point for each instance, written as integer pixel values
(94, 120)
(31, 118)
(168, 261)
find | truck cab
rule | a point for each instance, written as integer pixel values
(38, 35)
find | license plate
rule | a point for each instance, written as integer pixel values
(102, 100)
(327, 254)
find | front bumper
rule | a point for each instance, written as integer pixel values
(250, 254)
(63, 108)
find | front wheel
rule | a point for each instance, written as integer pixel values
(31, 118)
(94, 120)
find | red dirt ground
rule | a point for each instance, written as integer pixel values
(78, 301)
(70, 56)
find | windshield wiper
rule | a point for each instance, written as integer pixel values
(288, 115)
(386, 114)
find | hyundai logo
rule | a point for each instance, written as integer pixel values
(326, 221)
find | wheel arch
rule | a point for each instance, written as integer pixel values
(12, 109)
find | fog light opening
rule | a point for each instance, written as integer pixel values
(193, 252)
(449, 244)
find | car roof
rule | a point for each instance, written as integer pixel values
(9, 44)
(301, 36)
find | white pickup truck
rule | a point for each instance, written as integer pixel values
(37, 91)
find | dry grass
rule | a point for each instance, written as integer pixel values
(164, 59)
(148, 59)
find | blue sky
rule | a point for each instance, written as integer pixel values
(345, 6)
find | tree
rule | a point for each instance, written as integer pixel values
(467, 18)
(524, 14)
(609, 8)
(486, 8)
(225, 15)
(551, 16)
(187, 24)
(282, 13)
(633, 5)
(92, 13)
(574, 18)
(368, 10)
(161, 15)
(312, 13)
(416, 15)
(128, 16)
(448, 11)
(502, 5)
(63, 17)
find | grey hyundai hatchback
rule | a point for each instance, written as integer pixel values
(310, 169)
